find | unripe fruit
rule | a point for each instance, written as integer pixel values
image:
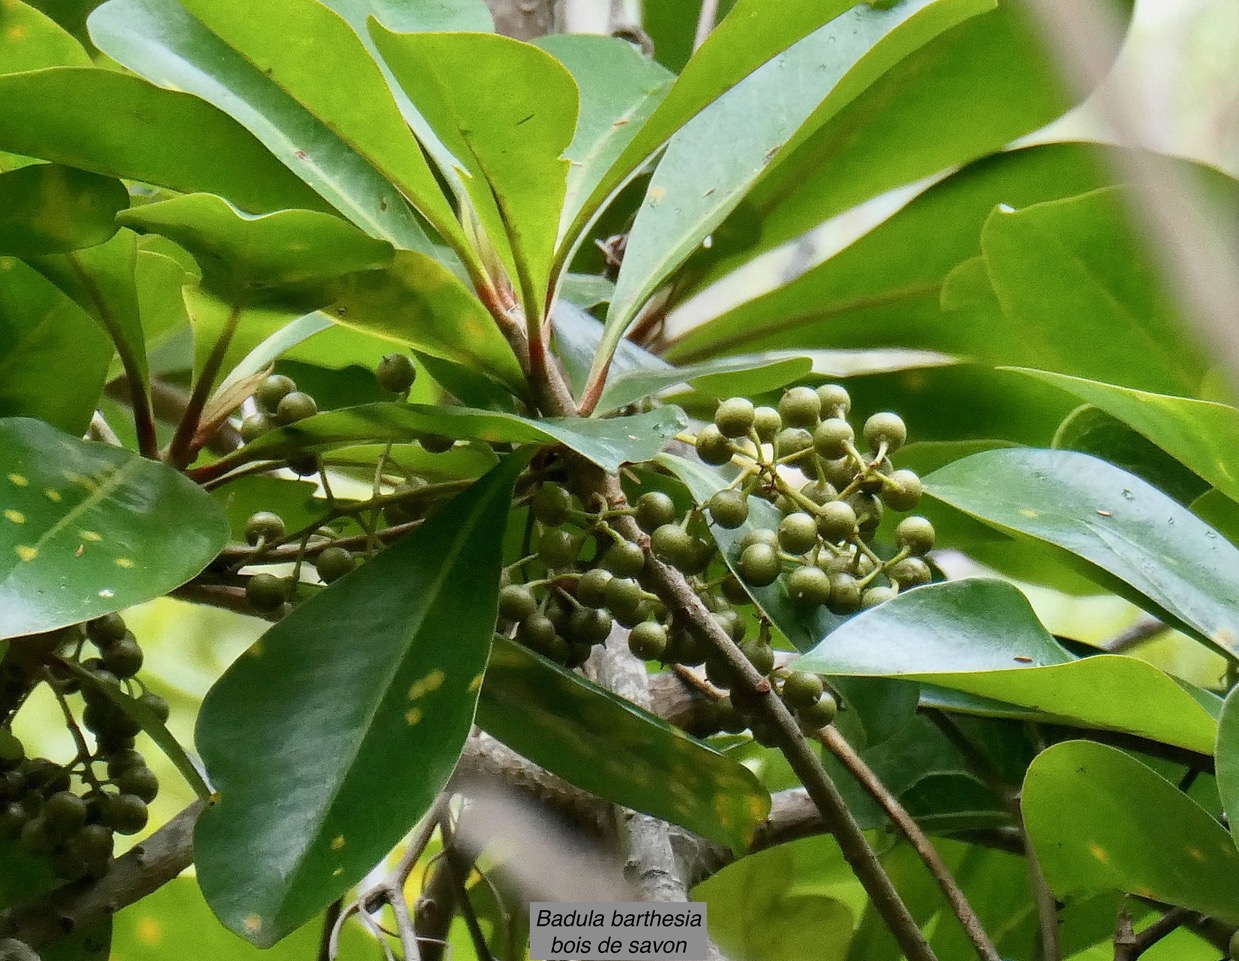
(727, 717)
(767, 423)
(156, 704)
(868, 511)
(648, 640)
(588, 625)
(832, 436)
(902, 491)
(797, 533)
(760, 655)
(800, 407)
(910, 572)
(819, 714)
(624, 596)
(551, 504)
(273, 390)
(712, 447)
(91, 843)
(266, 592)
(819, 492)
(395, 373)
(759, 565)
(111, 627)
(140, 782)
(37, 836)
(759, 535)
(845, 593)
(591, 589)
(731, 622)
(834, 399)
(624, 559)
(674, 545)
(64, 812)
(557, 548)
(733, 590)
(333, 563)
(734, 417)
(876, 595)
(537, 632)
(124, 657)
(436, 443)
(294, 407)
(516, 602)
(125, 813)
(254, 426)
(836, 521)
(304, 466)
(916, 534)
(887, 428)
(729, 508)
(264, 526)
(808, 586)
(11, 750)
(838, 473)
(793, 444)
(801, 690)
(654, 509)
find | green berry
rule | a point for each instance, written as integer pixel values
(801, 689)
(264, 526)
(760, 655)
(734, 417)
(648, 640)
(808, 587)
(916, 534)
(832, 437)
(395, 373)
(885, 428)
(516, 602)
(139, 781)
(156, 704)
(104, 630)
(624, 596)
(845, 593)
(294, 407)
(536, 631)
(734, 591)
(732, 622)
(820, 713)
(836, 521)
(557, 548)
(333, 563)
(797, 533)
(673, 544)
(254, 426)
(436, 443)
(11, 750)
(728, 719)
(266, 592)
(125, 813)
(589, 625)
(591, 589)
(91, 843)
(654, 509)
(37, 836)
(124, 657)
(910, 572)
(902, 490)
(273, 390)
(767, 423)
(552, 504)
(729, 508)
(713, 447)
(64, 812)
(819, 492)
(800, 407)
(876, 595)
(838, 473)
(760, 535)
(121, 760)
(759, 565)
(793, 444)
(835, 400)
(304, 465)
(868, 510)
(624, 559)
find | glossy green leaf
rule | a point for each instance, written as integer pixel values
(354, 739)
(1100, 820)
(610, 747)
(31, 40)
(619, 90)
(511, 146)
(1219, 512)
(89, 529)
(995, 63)
(981, 637)
(1228, 760)
(161, 41)
(419, 303)
(771, 105)
(1200, 434)
(42, 330)
(361, 112)
(725, 377)
(122, 126)
(1133, 537)
(276, 345)
(608, 443)
(50, 208)
(1074, 272)
(239, 251)
(165, 323)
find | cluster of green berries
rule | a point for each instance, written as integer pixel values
(71, 813)
(279, 404)
(803, 457)
(267, 592)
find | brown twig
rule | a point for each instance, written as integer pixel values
(1128, 945)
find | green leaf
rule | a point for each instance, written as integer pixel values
(50, 208)
(161, 41)
(42, 330)
(239, 252)
(360, 110)
(31, 40)
(608, 746)
(89, 529)
(726, 377)
(1199, 434)
(981, 637)
(619, 90)
(607, 443)
(1131, 536)
(352, 711)
(511, 146)
(292, 500)
(119, 125)
(770, 105)
(1100, 820)
(1228, 760)
(1073, 273)
(995, 63)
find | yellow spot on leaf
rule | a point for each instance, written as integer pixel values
(17, 32)
(337, 842)
(1097, 851)
(26, 552)
(476, 683)
(412, 716)
(53, 495)
(337, 872)
(1027, 512)
(93, 536)
(253, 924)
(1196, 854)
(423, 686)
(124, 562)
(19, 480)
(255, 650)
(17, 517)
(149, 932)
